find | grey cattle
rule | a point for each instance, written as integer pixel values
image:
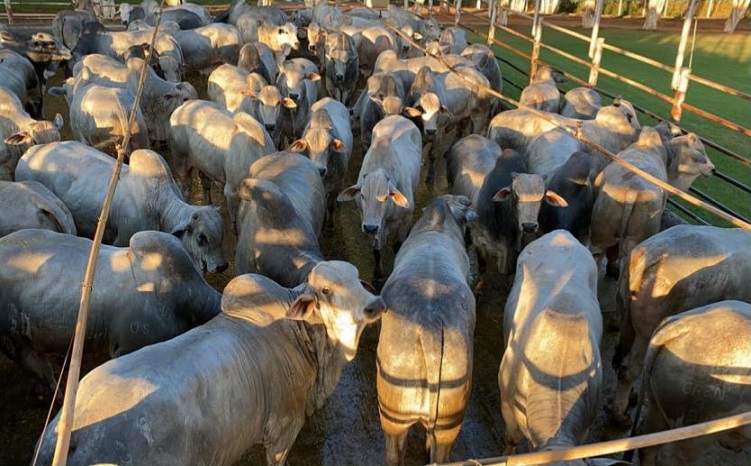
(689, 378)
(386, 183)
(342, 65)
(239, 91)
(571, 182)
(447, 100)
(627, 208)
(67, 26)
(551, 373)
(424, 362)
(678, 269)
(146, 198)
(542, 93)
(281, 39)
(516, 128)
(612, 128)
(28, 204)
(452, 40)
(384, 95)
(280, 218)
(327, 141)
(159, 99)
(406, 69)
(237, 8)
(249, 376)
(258, 58)
(468, 162)
(20, 79)
(581, 102)
(220, 145)
(99, 116)
(19, 131)
(41, 49)
(208, 46)
(144, 293)
(508, 206)
(296, 81)
(484, 60)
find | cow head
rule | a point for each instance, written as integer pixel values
(202, 235)
(687, 159)
(528, 191)
(267, 105)
(291, 81)
(430, 108)
(285, 37)
(320, 145)
(38, 132)
(377, 195)
(335, 296)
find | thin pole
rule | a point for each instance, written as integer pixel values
(682, 45)
(536, 18)
(595, 28)
(74, 372)
(693, 45)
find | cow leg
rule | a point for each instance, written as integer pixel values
(330, 206)
(206, 186)
(430, 177)
(395, 441)
(440, 448)
(378, 269)
(653, 422)
(627, 374)
(611, 269)
(185, 180)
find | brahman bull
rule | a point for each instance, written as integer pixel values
(542, 93)
(468, 162)
(147, 292)
(571, 182)
(249, 376)
(582, 103)
(424, 362)
(678, 269)
(280, 219)
(385, 187)
(697, 369)
(147, 198)
(551, 373)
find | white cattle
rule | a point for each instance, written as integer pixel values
(581, 102)
(468, 162)
(220, 145)
(28, 204)
(386, 184)
(147, 198)
(542, 93)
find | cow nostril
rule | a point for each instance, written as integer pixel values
(322, 171)
(430, 132)
(222, 267)
(370, 228)
(294, 96)
(375, 309)
(270, 126)
(340, 77)
(529, 227)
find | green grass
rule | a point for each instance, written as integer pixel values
(719, 57)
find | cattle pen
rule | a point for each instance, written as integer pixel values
(734, 173)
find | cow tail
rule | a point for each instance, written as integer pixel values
(660, 338)
(623, 298)
(433, 352)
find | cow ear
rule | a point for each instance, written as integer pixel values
(249, 93)
(303, 307)
(180, 230)
(301, 146)
(555, 199)
(368, 287)
(313, 76)
(18, 139)
(58, 121)
(338, 145)
(57, 91)
(398, 198)
(502, 194)
(244, 191)
(692, 138)
(348, 194)
(288, 103)
(446, 111)
(412, 112)
(416, 36)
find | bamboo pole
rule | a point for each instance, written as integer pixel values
(614, 446)
(71, 389)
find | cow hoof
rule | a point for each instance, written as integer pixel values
(618, 418)
(429, 179)
(479, 288)
(611, 270)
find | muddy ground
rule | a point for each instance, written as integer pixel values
(346, 431)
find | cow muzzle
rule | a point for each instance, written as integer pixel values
(529, 227)
(374, 310)
(370, 228)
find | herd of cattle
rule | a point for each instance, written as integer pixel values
(198, 376)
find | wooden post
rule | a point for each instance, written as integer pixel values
(493, 15)
(680, 96)
(406, 4)
(430, 8)
(594, 72)
(504, 12)
(710, 7)
(536, 18)
(535, 53)
(458, 16)
(675, 83)
(595, 28)
(8, 12)
(620, 8)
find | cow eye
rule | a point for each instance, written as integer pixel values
(281, 31)
(202, 240)
(326, 290)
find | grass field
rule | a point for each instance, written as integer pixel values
(720, 57)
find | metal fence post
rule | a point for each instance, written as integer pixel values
(493, 15)
(680, 96)
(458, 16)
(594, 72)
(535, 53)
